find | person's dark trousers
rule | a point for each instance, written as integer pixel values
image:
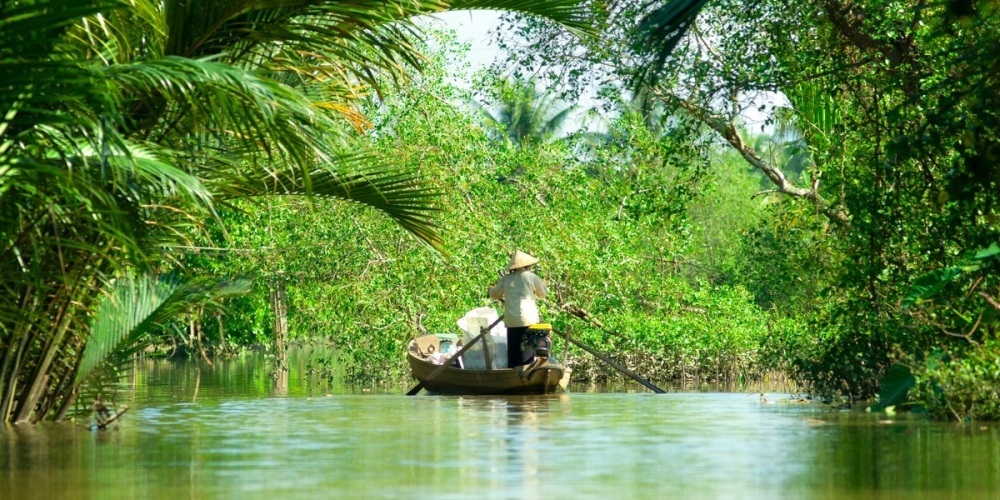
(515, 337)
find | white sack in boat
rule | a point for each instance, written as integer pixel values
(483, 312)
(473, 359)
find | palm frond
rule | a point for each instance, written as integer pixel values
(524, 114)
(46, 93)
(816, 110)
(555, 123)
(31, 28)
(399, 194)
(38, 78)
(138, 304)
(358, 39)
(571, 14)
(246, 112)
(659, 33)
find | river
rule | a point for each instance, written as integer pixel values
(199, 432)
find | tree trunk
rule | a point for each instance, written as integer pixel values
(222, 332)
(196, 322)
(280, 311)
(41, 374)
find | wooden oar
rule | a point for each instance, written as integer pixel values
(611, 362)
(419, 386)
(585, 316)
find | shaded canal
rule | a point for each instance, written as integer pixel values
(221, 433)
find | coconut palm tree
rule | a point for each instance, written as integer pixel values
(522, 114)
(125, 123)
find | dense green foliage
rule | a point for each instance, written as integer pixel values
(125, 126)
(522, 114)
(809, 187)
(893, 109)
(610, 225)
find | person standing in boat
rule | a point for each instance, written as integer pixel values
(519, 288)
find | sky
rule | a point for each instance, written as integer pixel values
(473, 27)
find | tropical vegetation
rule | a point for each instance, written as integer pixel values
(612, 236)
(803, 189)
(127, 125)
(522, 113)
(897, 188)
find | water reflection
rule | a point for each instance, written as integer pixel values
(236, 440)
(503, 442)
(860, 456)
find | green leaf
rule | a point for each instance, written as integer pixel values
(898, 380)
(397, 193)
(987, 252)
(930, 284)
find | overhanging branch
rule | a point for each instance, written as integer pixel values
(728, 131)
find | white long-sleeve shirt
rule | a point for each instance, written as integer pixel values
(519, 289)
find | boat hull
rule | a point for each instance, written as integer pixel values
(546, 378)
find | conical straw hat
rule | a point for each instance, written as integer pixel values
(519, 260)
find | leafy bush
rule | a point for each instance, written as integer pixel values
(609, 224)
(961, 387)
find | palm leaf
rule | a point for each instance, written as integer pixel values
(399, 194)
(659, 33)
(358, 40)
(523, 114)
(37, 78)
(212, 106)
(254, 113)
(46, 93)
(817, 112)
(34, 27)
(555, 123)
(136, 305)
(355, 40)
(571, 14)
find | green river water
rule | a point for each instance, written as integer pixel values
(195, 432)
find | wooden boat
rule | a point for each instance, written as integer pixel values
(539, 377)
